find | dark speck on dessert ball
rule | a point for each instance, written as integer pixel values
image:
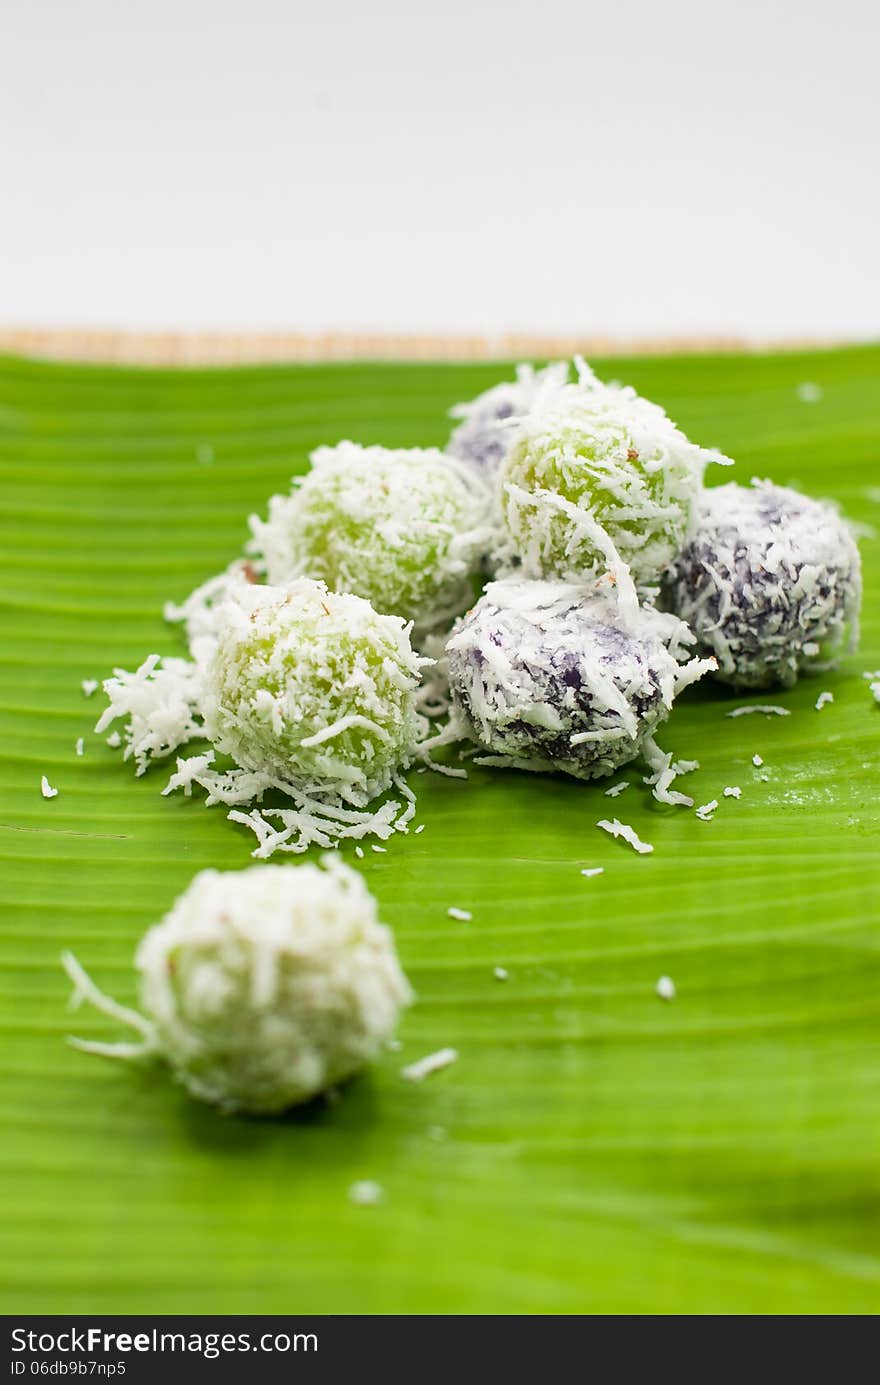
(769, 582)
(545, 676)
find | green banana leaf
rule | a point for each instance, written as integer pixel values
(594, 1149)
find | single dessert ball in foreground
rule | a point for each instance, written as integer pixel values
(404, 528)
(313, 688)
(596, 478)
(263, 987)
(768, 582)
(488, 423)
(545, 676)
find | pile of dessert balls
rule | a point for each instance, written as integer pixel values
(550, 581)
(567, 568)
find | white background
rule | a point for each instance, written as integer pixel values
(560, 166)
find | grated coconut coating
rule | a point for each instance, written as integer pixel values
(488, 423)
(546, 676)
(769, 582)
(314, 688)
(598, 480)
(264, 987)
(404, 528)
(335, 727)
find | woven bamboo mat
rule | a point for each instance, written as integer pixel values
(234, 348)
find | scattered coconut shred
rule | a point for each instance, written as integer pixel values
(46, 788)
(665, 771)
(463, 915)
(765, 709)
(873, 679)
(366, 1192)
(823, 700)
(629, 834)
(617, 789)
(706, 811)
(431, 1063)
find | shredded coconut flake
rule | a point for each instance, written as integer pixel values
(365, 1193)
(665, 988)
(706, 811)
(420, 828)
(46, 788)
(733, 791)
(766, 709)
(199, 612)
(381, 849)
(501, 973)
(359, 852)
(617, 789)
(593, 870)
(80, 746)
(757, 761)
(89, 686)
(808, 392)
(823, 699)
(463, 915)
(114, 740)
(432, 1062)
(160, 700)
(629, 834)
(665, 772)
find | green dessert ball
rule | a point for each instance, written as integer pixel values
(404, 528)
(598, 479)
(313, 688)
